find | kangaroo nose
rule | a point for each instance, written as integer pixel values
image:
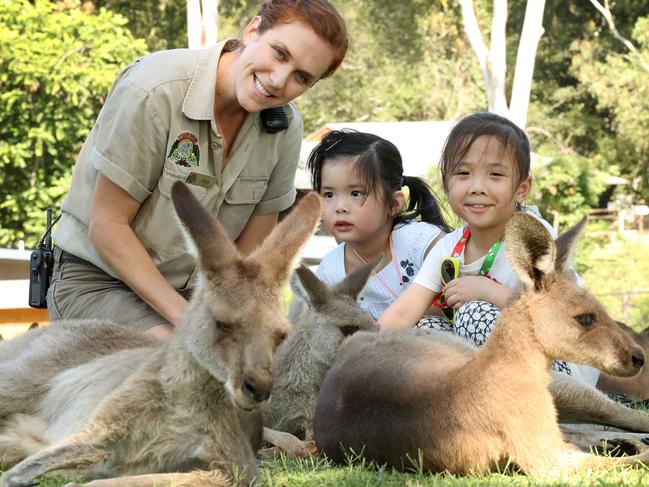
(638, 360)
(254, 390)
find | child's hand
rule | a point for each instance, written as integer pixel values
(475, 288)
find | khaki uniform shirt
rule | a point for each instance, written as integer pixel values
(157, 127)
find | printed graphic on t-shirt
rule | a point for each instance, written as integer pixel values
(407, 267)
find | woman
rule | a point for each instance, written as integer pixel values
(191, 115)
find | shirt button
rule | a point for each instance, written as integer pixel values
(216, 145)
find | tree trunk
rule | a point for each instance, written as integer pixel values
(524, 71)
(493, 59)
(210, 22)
(497, 59)
(202, 18)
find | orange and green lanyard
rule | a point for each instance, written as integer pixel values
(489, 258)
(457, 251)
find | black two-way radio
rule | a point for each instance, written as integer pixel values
(41, 263)
(274, 119)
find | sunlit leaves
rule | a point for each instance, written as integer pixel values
(56, 66)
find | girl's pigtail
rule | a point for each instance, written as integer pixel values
(422, 202)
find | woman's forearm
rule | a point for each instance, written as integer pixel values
(113, 210)
(125, 254)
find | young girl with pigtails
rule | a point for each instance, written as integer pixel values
(360, 176)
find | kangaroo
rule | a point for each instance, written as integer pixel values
(401, 396)
(141, 411)
(636, 386)
(321, 318)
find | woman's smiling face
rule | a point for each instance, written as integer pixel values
(278, 65)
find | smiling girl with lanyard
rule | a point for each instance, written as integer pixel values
(485, 172)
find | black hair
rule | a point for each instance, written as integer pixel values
(466, 131)
(380, 167)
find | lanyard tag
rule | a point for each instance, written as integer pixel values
(198, 179)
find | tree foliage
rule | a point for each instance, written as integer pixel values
(620, 83)
(568, 186)
(582, 90)
(56, 66)
(161, 23)
(406, 63)
(412, 61)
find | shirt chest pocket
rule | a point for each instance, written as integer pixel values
(240, 202)
(246, 191)
(156, 223)
(169, 177)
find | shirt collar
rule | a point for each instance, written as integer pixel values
(199, 101)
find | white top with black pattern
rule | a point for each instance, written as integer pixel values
(409, 243)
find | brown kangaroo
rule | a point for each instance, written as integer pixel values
(414, 397)
(123, 406)
(637, 386)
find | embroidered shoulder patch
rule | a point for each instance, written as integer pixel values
(185, 151)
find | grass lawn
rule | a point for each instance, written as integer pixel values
(288, 472)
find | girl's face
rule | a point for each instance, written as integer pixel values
(279, 64)
(350, 214)
(483, 188)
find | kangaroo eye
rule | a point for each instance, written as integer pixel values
(586, 319)
(222, 327)
(349, 330)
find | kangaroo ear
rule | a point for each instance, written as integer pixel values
(354, 283)
(645, 333)
(530, 249)
(317, 291)
(213, 245)
(279, 251)
(296, 287)
(566, 245)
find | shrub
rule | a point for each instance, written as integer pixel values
(56, 66)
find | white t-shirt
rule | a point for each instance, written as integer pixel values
(501, 272)
(409, 243)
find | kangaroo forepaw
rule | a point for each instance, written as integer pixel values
(301, 449)
(618, 447)
(16, 480)
(310, 448)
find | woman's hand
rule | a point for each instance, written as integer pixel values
(476, 288)
(113, 210)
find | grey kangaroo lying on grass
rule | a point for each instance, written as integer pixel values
(321, 318)
(121, 405)
(412, 397)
